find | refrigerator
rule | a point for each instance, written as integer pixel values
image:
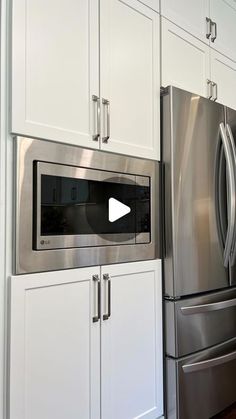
(199, 254)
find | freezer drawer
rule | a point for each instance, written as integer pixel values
(202, 385)
(197, 323)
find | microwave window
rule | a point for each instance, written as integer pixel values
(71, 206)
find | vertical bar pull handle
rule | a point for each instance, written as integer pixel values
(96, 118)
(214, 91)
(97, 298)
(106, 120)
(213, 31)
(208, 27)
(233, 148)
(232, 197)
(107, 299)
(209, 89)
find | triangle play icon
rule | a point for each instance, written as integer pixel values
(117, 209)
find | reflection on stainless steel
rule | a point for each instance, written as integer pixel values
(199, 156)
(29, 260)
(204, 382)
(199, 322)
(193, 261)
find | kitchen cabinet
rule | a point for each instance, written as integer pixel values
(130, 78)
(189, 15)
(57, 329)
(223, 13)
(154, 4)
(185, 60)
(191, 65)
(59, 87)
(132, 342)
(54, 346)
(223, 72)
(55, 69)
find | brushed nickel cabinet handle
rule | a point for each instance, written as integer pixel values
(213, 31)
(96, 118)
(208, 27)
(107, 281)
(209, 89)
(97, 301)
(106, 120)
(214, 91)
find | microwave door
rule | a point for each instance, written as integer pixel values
(73, 207)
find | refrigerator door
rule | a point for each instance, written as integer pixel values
(194, 249)
(202, 385)
(197, 323)
(231, 132)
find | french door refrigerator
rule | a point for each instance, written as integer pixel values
(199, 184)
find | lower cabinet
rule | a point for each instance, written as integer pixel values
(87, 343)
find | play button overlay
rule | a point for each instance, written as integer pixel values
(117, 210)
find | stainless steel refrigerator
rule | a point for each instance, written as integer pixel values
(199, 209)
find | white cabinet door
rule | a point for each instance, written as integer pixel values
(154, 4)
(185, 60)
(189, 15)
(223, 72)
(132, 360)
(55, 69)
(223, 12)
(54, 346)
(130, 78)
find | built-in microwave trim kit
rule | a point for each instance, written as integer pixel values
(39, 156)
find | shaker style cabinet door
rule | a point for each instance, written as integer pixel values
(154, 4)
(223, 12)
(55, 70)
(131, 341)
(185, 60)
(223, 72)
(129, 78)
(54, 346)
(189, 15)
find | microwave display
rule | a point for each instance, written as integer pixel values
(73, 205)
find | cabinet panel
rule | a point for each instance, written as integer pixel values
(54, 352)
(185, 60)
(223, 12)
(223, 72)
(55, 69)
(130, 77)
(154, 4)
(189, 15)
(132, 342)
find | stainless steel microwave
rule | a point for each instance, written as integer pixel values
(77, 207)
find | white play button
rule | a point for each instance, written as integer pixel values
(117, 210)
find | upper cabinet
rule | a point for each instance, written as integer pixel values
(189, 15)
(223, 13)
(129, 78)
(185, 60)
(63, 90)
(154, 4)
(55, 69)
(223, 72)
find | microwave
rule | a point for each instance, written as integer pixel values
(77, 207)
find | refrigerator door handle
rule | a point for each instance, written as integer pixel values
(232, 143)
(231, 195)
(209, 363)
(206, 308)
